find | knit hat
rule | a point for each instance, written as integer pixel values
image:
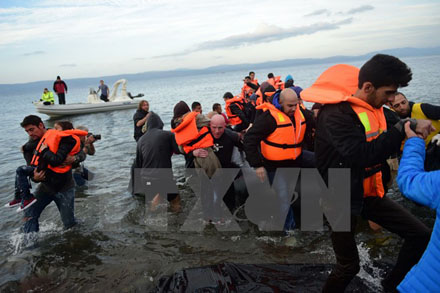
(288, 77)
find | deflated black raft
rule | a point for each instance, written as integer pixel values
(230, 277)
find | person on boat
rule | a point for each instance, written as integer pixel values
(60, 88)
(352, 133)
(405, 109)
(249, 88)
(275, 141)
(253, 79)
(289, 82)
(139, 118)
(424, 188)
(217, 109)
(55, 183)
(105, 92)
(153, 152)
(264, 94)
(275, 81)
(196, 107)
(240, 115)
(47, 97)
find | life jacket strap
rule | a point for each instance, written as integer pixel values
(373, 170)
(198, 139)
(283, 145)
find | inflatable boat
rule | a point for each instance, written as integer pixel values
(94, 104)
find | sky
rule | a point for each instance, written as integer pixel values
(40, 39)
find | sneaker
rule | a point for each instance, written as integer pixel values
(13, 203)
(26, 203)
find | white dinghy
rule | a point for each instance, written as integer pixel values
(94, 103)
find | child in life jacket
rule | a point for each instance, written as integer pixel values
(23, 196)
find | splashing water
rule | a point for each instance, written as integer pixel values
(374, 274)
(20, 241)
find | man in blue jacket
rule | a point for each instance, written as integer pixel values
(424, 188)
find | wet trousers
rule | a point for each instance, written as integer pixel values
(65, 204)
(396, 219)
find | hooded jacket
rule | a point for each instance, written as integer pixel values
(155, 148)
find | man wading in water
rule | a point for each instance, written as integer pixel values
(351, 133)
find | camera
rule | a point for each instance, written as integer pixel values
(95, 136)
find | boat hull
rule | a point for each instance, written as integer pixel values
(55, 111)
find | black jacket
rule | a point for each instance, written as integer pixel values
(56, 182)
(340, 142)
(154, 150)
(139, 115)
(263, 126)
(245, 120)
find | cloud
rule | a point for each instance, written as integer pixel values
(319, 12)
(263, 34)
(359, 9)
(34, 53)
(68, 65)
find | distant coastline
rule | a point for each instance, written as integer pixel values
(398, 52)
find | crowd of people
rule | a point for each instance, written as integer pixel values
(358, 121)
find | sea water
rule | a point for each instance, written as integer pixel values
(112, 248)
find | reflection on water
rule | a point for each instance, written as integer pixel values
(114, 247)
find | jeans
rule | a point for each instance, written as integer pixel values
(65, 204)
(308, 159)
(393, 217)
(22, 184)
(285, 196)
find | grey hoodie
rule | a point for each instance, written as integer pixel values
(156, 146)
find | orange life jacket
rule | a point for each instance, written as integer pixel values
(337, 84)
(234, 119)
(374, 123)
(189, 137)
(276, 82)
(52, 139)
(255, 81)
(260, 99)
(245, 90)
(285, 142)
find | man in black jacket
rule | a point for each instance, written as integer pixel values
(265, 125)
(58, 187)
(139, 118)
(152, 166)
(238, 111)
(341, 142)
